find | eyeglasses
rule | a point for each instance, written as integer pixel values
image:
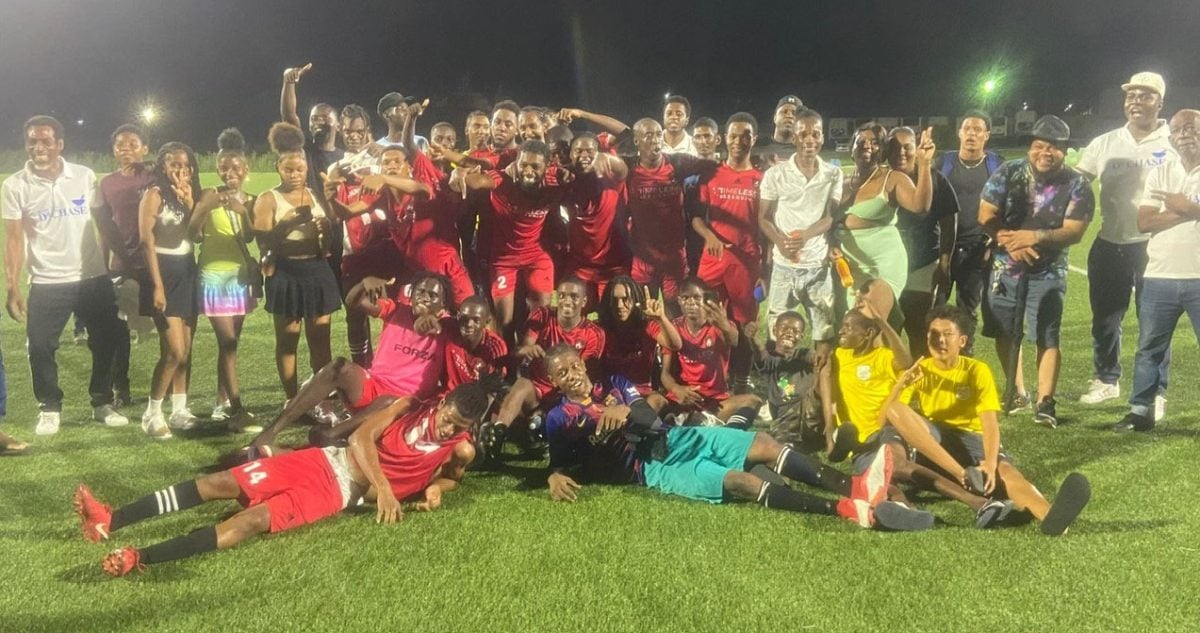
(1136, 96)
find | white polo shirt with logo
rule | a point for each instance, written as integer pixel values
(800, 203)
(1175, 252)
(61, 242)
(1121, 164)
(685, 146)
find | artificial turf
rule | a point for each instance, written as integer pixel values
(500, 556)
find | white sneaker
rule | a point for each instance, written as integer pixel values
(47, 423)
(764, 413)
(325, 414)
(109, 416)
(156, 426)
(182, 420)
(1160, 407)
(220, 413)
(1099, 391)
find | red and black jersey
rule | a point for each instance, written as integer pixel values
(631, 353)
(586, 337)
(374, 225)
(516, 218)
(730, 200)
(594, 235)
(467, 365)
(703, 360)
(655, 194)
(410, 453)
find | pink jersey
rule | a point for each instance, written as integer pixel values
(408, 363)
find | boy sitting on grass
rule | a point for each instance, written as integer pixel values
(695, 376)
(797, 381)
(959, 431)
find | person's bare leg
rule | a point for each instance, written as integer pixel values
(505, 307)
(521, 399)
(656, 401)
(341, 375)
(287, 340)
(537, 300)
(1004, 353)
(179, 382)
(316, 334)
(926, 478)
(358, 335)
(1023, 494)
(228, 330)
(1049, 364)
(912, 428)
(170, 352)
(323, 435)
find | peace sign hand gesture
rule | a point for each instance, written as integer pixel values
(925, 147)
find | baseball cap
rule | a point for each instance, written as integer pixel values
(789, 99)
(1147, 79)
(391, 100)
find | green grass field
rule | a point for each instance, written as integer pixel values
(500, 556)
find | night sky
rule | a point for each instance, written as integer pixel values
(214, 63)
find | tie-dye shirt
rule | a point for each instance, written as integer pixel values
(1027, 202)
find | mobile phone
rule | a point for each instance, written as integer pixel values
(304, 212)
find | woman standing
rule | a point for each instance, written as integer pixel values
(868, 237)
(169, 292)
(226, 291)
(292, 229)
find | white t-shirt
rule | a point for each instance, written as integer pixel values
(800, 203)
(1175, 252)
(1121, 164)
(685, 146)
(61, 243)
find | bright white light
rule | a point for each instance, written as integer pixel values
(1068, 108)
(149, 114)
(666, 95)
(79, 122)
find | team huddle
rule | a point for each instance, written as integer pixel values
(593, 295)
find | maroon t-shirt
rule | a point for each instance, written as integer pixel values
(122, 195)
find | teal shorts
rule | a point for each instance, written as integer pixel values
(698, 457)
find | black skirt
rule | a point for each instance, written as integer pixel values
(178, 273)
(302, 289)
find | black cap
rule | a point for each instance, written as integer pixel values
(391, 100)
(1052, 129)
(789, 99)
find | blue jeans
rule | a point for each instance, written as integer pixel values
(1163, 302)
(1113, 271)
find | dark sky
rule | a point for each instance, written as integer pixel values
(214, 63)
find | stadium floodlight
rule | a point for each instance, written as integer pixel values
(149, 115)
(989, 86)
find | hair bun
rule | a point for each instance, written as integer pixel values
(285, 138)
(231, 140)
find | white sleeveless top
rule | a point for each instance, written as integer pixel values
(304, 231)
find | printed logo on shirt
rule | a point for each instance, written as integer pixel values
(708, 342)
(863, 372)
(78, 207)
(414, 439)
(656, 191)
(420, 354)
(963, 392)
(744, 194)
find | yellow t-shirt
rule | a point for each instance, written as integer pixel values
(865, 383)
(955, 396)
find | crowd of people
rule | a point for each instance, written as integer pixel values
(595, 293)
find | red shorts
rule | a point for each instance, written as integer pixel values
(537, 276)
(381, 260)
(447, 261)
(298, 487)
(667, 275)
(371, 391)
(596, 280)
(733, 278)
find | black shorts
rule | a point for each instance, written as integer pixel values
(1043, 308)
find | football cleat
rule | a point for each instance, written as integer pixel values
(122, 562)
(95, 517)
(872, 485)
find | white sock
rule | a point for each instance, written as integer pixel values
(154, 407)
(178, 402)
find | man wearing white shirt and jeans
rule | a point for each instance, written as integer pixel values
(796, 200)
(1169, 210)
(1121, 159)
(46, 211)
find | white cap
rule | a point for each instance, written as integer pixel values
(1146, 79)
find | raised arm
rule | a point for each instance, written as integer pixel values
(607, 123)
(364, 296)
(287, 96)
(917, 197)
(363, 450)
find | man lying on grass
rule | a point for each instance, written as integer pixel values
(959, 431)
(397, 452)
(598, 424)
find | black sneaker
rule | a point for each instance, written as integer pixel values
(1134, 422)
(992, 513)
(1017, 403)
(898, 517)
(975, 482)
(1045, 414)
(1073, 495)
(845, 440)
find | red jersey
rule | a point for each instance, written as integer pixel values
(517, 217)
(631, 354)
(465, 366)
(430, 232)
(731, 199)
(658, 227)
(703, 360)
(410, 453)
(373, 225)
(594, 239)
(586, 337)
